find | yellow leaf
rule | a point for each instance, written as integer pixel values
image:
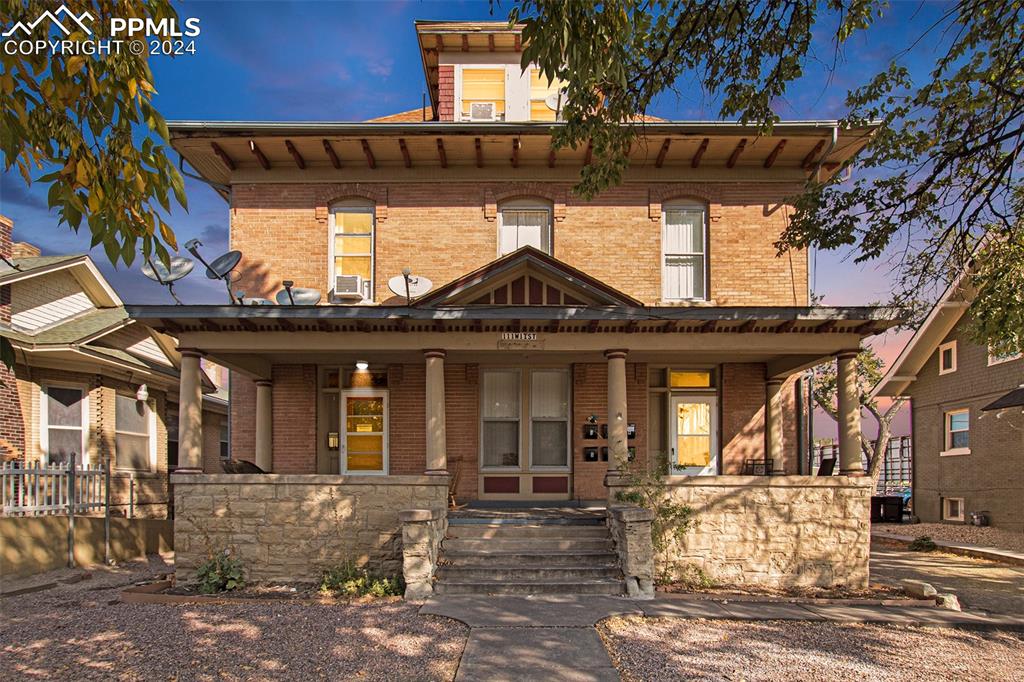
(82, 174)
(94, 203)
(75, 64)
(168, 235)
(133, 88)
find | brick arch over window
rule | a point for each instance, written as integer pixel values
(656, 196)
(332, 194)
(524, 190)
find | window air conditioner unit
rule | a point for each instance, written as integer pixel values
(482, 111)
(349, 287)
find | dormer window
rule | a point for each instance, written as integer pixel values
(483, 93)
(524, 223)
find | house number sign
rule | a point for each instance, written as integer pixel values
(520, 341)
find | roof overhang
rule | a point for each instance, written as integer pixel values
(256, 151)
(84, 271)
(1014, 398)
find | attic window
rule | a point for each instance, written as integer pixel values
(524, 223)
(483, 94)
(947, 358)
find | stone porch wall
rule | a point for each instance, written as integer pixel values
(290, 527)
(778, 531)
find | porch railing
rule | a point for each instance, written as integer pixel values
(897, 467)
(37, 489)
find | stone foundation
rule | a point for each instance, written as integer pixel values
(422, 533)
(289, 527)
(631, 530)
(779, 531)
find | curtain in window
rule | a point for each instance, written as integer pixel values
(500, 412)
(521, 228)
(131, 439)
(683, 244)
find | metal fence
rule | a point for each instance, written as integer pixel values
(35, 489)
(897, 468)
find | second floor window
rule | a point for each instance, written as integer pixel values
(684, 253)
(958, 430)
(351, 252)
(947, 358)
(483, 94)
(524, 223)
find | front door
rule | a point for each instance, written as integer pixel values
(364, 419)
(694, 435)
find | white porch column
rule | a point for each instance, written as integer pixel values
(773, 424)
(437, 459)
(190, 414)
(264, 425)
(849, 415)
(617, 417)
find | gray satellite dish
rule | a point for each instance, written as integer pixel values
(554, 101)
(410, 286)
(222, 266)
(299, 296)
(167, 276)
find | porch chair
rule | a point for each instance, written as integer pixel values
(758, 467)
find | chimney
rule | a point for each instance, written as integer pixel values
(6, 229)
(24, 250)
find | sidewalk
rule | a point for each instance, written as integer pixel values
(976, 551)
(554, 636)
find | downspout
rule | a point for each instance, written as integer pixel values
(798, 388)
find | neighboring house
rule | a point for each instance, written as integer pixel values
(967, 411)
(90, 381)
(561, 335)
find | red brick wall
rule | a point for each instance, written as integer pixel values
(294, 428)
(446, 92)
(742, 415)
(242, 407)
(442, 231)
(407, 436)
(462, 424)
(12, 425)
(590, 396)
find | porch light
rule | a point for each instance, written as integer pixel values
(142, 394)
(362, 365)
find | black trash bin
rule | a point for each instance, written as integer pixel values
(887, 508)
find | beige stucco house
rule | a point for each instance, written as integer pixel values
(562, 340)
(91, 381)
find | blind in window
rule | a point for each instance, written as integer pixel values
(683, 244)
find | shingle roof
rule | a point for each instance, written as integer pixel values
(27, 265)
(1014, 398)
(75, 329)
(411, 116)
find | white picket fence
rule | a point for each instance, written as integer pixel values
(35, 489)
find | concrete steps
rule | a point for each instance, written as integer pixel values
(542, 554)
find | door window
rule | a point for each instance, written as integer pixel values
(694, 447)
(364, 415)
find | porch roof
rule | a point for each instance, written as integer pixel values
(862, 321)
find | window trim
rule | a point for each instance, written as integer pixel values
(518, 420)
(684, 204)
(526, 205)
(714, 467)
(528, 398)
(352, 206)
(44, 421)
(995, 360)
(942, 349)
(945, 509)
(947, 433)
(150, 437)
(343, 430)
(460, 68)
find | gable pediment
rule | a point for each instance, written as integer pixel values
(527, 277)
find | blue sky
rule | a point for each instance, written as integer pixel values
(329, 60)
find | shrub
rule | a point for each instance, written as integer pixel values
(923, 543)
(220, 573)
(349, 580)
(690, 576)
(648, 489)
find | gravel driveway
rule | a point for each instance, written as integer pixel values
(670, 649)
(73, 633)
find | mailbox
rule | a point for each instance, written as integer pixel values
(590, 432)
(590, 455)
(631, 430)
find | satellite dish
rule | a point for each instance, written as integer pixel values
(256, 301)
(167, 276)
(299, 296)
(410, 286)
(222, 265)
(554, 101)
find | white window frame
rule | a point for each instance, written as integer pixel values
(945, 508)
(996, 360)
(676, 205)
(460, 68)
(150, 437)
(343, 429)
(44, 422)
(947, 433)
(518, 420)
(568, 419)
(942, 349)
(352, 206)
(710, 397)
(527, 205)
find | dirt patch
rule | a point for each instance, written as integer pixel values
(663, 649)
(877, 592)
(958, 533)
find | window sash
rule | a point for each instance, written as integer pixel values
(60, 431)
(360, 262)
(140, 459)
(516, 226)
(684, 253)
(958, 435)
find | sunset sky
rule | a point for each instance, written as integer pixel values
(350, 61)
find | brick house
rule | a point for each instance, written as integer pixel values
(967, 419)
(80, 367)
(562, 340)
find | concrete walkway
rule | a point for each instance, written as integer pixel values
(553, 637)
